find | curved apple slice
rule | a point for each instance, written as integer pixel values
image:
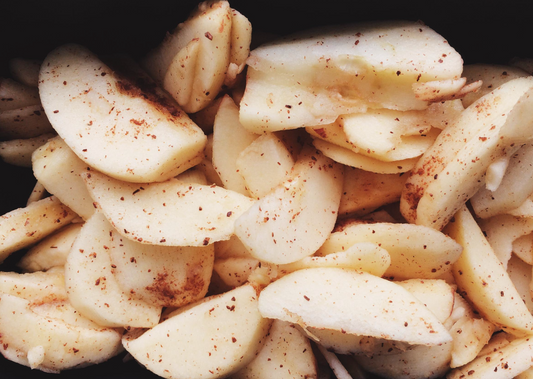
(125, 127)
(293, 220)
(209, 339)
(91, 285)
(354, 302)
(172, 213)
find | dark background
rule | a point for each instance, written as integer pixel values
(481, 31)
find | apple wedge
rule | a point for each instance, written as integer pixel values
(117, 121)
(433, 251)
(91, 284)
(193, 60)
(58, 169)
(209, 339)
(452, 170)
(172, 213)
(293, 220)
(311, 78)
(52, 251)
(483, 280)
(24, 226)
(353, 302)
(286, 354)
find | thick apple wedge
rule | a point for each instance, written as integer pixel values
(286, 354)
(172, 213)
(353, 302)
(123, 126)
(311, 78)
(293, 220)
(209, 339)
(91, 284)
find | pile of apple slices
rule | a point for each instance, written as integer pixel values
(307, 219)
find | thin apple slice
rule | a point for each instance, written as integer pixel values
(15, 95)
(505, 362)
(25, 226)
(117, 120)
(172, 213)
(293, 220)
(52, 251)
(18, 151)
(58, 169)
(209, 339)
(229, 140)
(26, 122)
(25, 71)
(91, 285)
(353, 302)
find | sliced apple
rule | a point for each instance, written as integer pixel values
(210, 339)
(192, 61)
(162, 275)
(229, 140)
(58, 169)
(293, 220)
(415, 251)
(311, 78)
(91, 285)
(286, 354)
(52, 251)
(353, 302)
(483, 280)
(516, 186)
(172, 213)
(18, 151)
(25, 226)
(116, 120)
(452, 170)
(52, 339)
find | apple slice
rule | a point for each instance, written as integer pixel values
(433, 251)
(293, 220)
(287, 354)
(24, 226)
(172, 213)
(118, 122)
(353, 302)
(311, 78)
(91, 284)
(209, 339)
(52, 337)
(452, 170)
(58, 169)
(483, 280)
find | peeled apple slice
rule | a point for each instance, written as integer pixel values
(123, 126)
(210, 339)
(311, 78)
(172, 213)
(353, 302)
